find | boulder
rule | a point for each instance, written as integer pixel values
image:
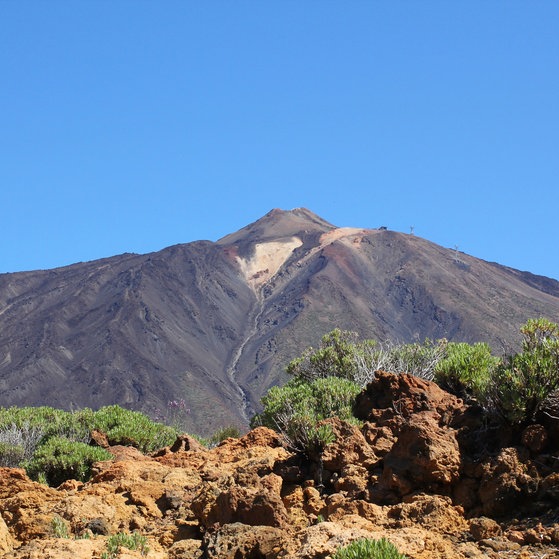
(237, 540)
(482, 528)
(391, 395)
(349, 447)
(425, 456)
(226, 502)
(506, 483)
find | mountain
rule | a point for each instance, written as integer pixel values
(214, 323)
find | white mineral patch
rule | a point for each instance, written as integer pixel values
(267, 260)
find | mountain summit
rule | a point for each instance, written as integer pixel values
(278, 224)
(214, 323)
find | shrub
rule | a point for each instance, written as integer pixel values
(419, 359)
(306, 435)
(11, 455)
(43, 438)
(18, 442)
(44, 420)
(296, 409)
(522, 384)
(369, 549)
(134, 542)
(320, 399)
(59, 527)
(466, 370)
(132, 428)
(342, 355)
(339, 354)
(59, 459)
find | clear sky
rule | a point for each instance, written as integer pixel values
(129, 126)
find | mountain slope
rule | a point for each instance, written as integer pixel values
(215, 323)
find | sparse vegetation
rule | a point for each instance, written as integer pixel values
(60, 459)
(297, 408)
(369, 549)
(466, 370)
(523, 383)
(326, 380)
(59, 527)
(134, 542)
(53, 445)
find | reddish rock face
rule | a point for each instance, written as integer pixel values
(392, 396)
(425, 456)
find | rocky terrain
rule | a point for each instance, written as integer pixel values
(425, 471)
(215, 323)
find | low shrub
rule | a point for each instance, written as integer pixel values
(18, 442)
(59, 459)
(296, 409)
(419, 359)
(466, 370)
(134, 542)
(341, 354)
(368, 549)
(59, 527)
(523, 383)
(11, 455)
(48, 421)
(44, 437)
(132, 428)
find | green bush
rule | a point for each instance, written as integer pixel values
(132, 428)
(59, 459)
(339, 354)
(44, 439)
(320, 399)
(121, 426)
(522, 384)
(296, 409)
(369, 549)
(49, 421)
(307, 435)
(466, 370)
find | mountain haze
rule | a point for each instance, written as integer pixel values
(216, 322)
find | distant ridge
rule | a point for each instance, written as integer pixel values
(216, 322)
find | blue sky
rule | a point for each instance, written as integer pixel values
(129, 126)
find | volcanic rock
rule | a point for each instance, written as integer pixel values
(241, 499)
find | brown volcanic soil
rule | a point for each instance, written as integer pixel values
(424, 472)
(216, 323)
